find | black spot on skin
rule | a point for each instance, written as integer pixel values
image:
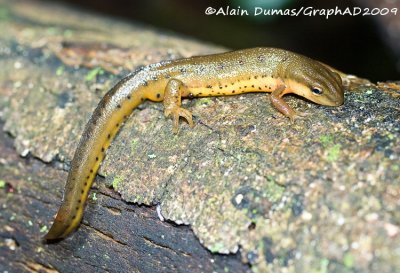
(85, 183)
(129, 97)
(109, 136)
(87, 177)
(259, 88)
(240, 87)
(91, 171)
(125, 117)
(97, 158)
(255, 77)
(79, 200)
(158, 95)
(119, 106)
(220, 87)
(249, 78)
(102, 149)
(219, 93)
(117, 125)
(232, 83)
(77, 208)
(190, 96)
(73, 217)
(233, 91)
(252, 86)
(145, 83)
(200, 94)
(209, 86)
(142, 99)
(245, 86)
(82, 191)
(226, 85)
(183, 70)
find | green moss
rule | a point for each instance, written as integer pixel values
(117, 179)
(94, 197)
(43, 229)
(333, 152)
(323, 267)
(4, 14)
(216, 248)
(133, 145)
(52, 31)
(326, 140)
(60, 70)
(348, 260)
(68, 33)
(204, 101)
(394, 168)
(92, 74)
(273, 191)
(2, 184)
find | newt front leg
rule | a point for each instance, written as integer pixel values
(173, 102)
(282, 106)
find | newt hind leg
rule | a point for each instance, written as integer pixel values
(282, 106)
(173, 102)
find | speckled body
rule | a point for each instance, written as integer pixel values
(251, 70)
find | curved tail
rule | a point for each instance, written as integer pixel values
(103, 125)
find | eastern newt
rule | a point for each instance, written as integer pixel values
(251, 70)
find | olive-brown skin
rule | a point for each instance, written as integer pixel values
(250, 70)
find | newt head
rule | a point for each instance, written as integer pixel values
(314, 81)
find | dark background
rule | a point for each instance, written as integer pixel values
(354, 44)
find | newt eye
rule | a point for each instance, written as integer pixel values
(317, 91)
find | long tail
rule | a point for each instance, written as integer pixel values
(103, 125)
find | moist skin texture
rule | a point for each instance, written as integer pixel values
(251, 70)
